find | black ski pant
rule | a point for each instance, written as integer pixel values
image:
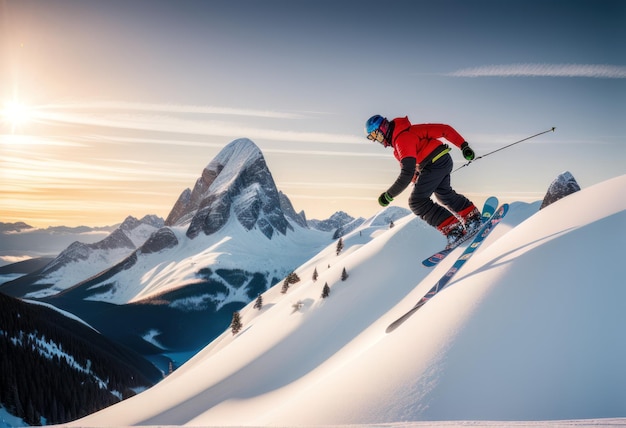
(434, 178)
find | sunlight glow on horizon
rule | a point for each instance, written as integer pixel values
(15, 114)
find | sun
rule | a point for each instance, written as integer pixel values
(15, 114)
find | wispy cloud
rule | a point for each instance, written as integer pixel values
(332, 197)
(544, 70)
(174, 108)
(328, 185)
(266, 150)
(381, 154)
(35, 174)
(117, 115)
(22, 141)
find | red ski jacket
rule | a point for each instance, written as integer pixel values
(419, 141)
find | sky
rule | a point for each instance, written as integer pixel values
(112, 108)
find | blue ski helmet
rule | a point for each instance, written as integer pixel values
(373, 123)
(377, 129)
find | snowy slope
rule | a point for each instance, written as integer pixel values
(530, 329)
(165, 271)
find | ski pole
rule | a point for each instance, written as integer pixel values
(505, 147)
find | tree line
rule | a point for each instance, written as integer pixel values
(47, 390)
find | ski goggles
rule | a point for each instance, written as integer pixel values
(377, 135)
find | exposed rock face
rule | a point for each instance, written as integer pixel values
(162, 239)
(236, 183)
(290, 212)
(181, 207)
(117, 239)
(565, 184)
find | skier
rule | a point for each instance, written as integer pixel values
(424, 160)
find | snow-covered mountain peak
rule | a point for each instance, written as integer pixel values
(242, 150)
(234, 158)
(231, 162)
(236, 182)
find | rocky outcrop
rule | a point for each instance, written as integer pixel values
(160, 240)
(565, 184)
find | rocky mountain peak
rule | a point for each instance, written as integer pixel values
(237, 182)
(565, 184)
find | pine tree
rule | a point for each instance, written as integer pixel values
(259, 302)
(285, 286)
(344, 274)
(315, 275)
(339, 246)
(391, 224)
(325, 291)
(293, 278)
(236, 325)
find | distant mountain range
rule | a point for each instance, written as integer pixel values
(167, 288)
(20, 226)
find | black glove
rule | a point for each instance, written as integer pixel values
(467, 152)
(384, 199)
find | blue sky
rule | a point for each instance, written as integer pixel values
(121, 104)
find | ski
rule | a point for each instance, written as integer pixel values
(484, 231)
(488, 209)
